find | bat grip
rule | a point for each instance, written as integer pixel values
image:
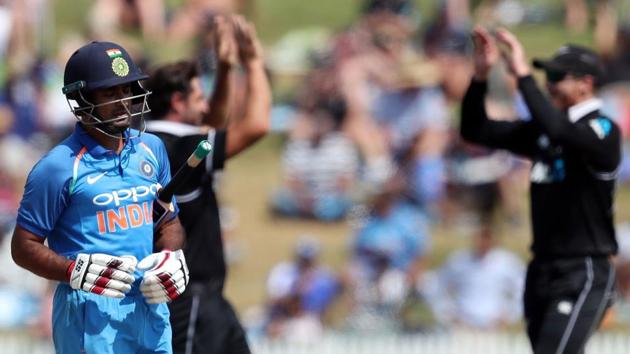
(181, 176)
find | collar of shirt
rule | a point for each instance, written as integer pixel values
(94, 148)
(174, 128)
(583, 108)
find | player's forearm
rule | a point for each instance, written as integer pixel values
(220, 100)
(31, 254)
(551, 120)
(257, 112)
(170, 236)
(473, 112)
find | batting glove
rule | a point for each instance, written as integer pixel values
(102, 274)
(165, 277)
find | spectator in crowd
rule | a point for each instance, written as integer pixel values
(397, 117)
(479, 287)
(474, 182)
(622, 270)
(617, 59)
(320, 165)
(8, 201)
(615, 92)
(25, 32)
(20, 290)
(577, 18)
(189, 20)
(388, 255)
(159, 19)
(397, 7)
(478, 180)
(110, 17)
(299, 293)
(21, 96)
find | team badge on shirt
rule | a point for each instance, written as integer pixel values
(146, 168)
(565, 307)
(601, 127)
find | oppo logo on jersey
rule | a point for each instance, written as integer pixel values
(132, 193)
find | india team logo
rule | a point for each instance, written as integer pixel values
(146, 168)
(120, 66)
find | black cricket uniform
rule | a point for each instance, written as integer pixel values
(575, 156)
(203, 321)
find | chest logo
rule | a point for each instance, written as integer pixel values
(547, 173)
(565, 307)
(94, 179)
(146, 168)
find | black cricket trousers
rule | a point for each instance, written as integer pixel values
(565, 300)
(204, 322)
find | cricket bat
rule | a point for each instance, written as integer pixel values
(162, 205)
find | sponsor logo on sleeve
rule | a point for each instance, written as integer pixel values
(601, 127)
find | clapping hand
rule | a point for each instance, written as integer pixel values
(222, 31)
(513, 54)
(249, 47)
(486, 53)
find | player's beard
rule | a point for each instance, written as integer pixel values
(115, 128)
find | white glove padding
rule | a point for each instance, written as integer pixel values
(103, 274)
(165, 277)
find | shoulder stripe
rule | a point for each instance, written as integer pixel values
(148, 149)
(75, 169)
(185, 198)
(606, 176)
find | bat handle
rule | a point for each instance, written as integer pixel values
(181, 176)
(162, 206)
(202, 150)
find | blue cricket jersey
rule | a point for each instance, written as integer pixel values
(85, 198)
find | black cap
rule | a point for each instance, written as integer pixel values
(99, 65)
(573, 59)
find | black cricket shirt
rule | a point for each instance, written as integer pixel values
(198, 207)
(575, 156)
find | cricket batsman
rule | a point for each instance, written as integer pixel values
(91, 199)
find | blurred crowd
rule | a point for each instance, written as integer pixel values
(368, 116)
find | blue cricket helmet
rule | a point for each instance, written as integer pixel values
(100, 65)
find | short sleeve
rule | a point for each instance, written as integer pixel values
(45, 198)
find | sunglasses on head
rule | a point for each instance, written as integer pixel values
(555, 75)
